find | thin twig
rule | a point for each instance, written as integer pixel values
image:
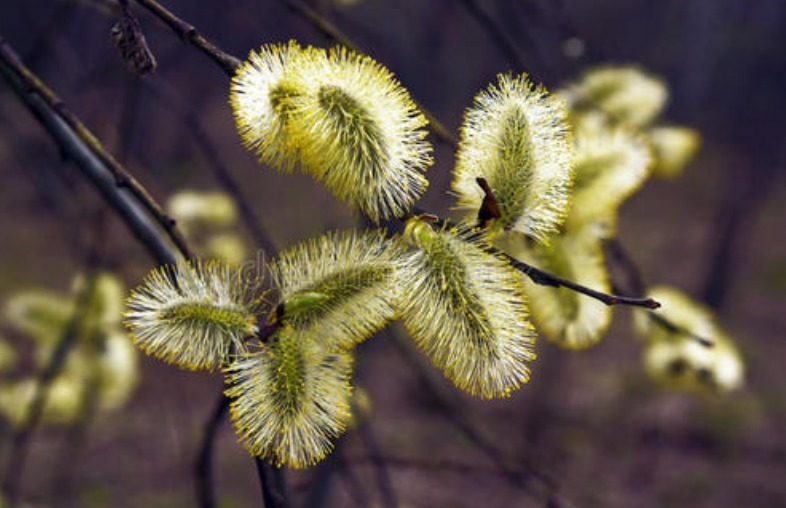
(636, 285)
(206, 496)
(452, 411)
(189, 34)
(497, 35)
(384, 483)
(544, 278)
(127, 196)
(271, 479)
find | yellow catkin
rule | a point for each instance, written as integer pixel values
(516, 136)
(466, 310)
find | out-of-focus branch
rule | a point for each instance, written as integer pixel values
(528, 476)
(20, 444)
(220, 170)
(206, 497)
(129, 199)
(332, 32)
(497, 35)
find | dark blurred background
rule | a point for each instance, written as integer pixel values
(590, 421)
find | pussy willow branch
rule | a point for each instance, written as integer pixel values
(543, 278)
(127, 196)
(119, 189)
(537, 275)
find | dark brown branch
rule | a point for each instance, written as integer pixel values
(189, 34)
(544, 278)
(672, 327)
(271, 479)
(129, 199)
(206, 497)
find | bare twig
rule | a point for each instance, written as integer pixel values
(497, 35)
(544, 278)
(384, 483)
(206, 497)
(189, 34)
(527, 476)
(127, 196)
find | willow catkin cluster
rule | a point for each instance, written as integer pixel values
(342, 117)
(192, 314)
(516, 137)
(100, 367)
(610, 166)
(291, 398)
(626, 94)
(465, 309)
(694, 352)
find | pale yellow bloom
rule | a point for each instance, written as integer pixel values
(627, 95)
(610, 166)
(679, 358)
(516, 137)
(339, 286)
(259, 100)
(192, 314)
(357, 131)
(290, 399)
(674, 148)
(465, 309)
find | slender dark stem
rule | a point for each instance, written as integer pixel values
(672, 327)
(271, 479)
(382, 476)
(189, 34)
(129, 199)
(544, 278)
(497, 35)
(206, 496)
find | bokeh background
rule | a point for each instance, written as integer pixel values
(589, 429)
